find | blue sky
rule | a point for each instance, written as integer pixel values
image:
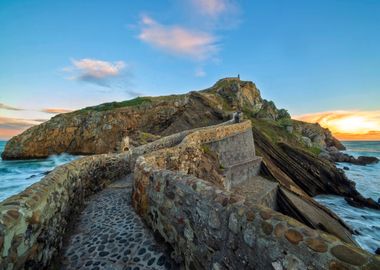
(307, 56)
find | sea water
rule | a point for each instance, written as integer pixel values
(16, 175)
(367, 178)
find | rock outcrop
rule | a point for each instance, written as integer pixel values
(333, 154)
(118, 126)
(319, 136)
(103, 128)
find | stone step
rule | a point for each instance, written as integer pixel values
(258, 190)
(242, 172)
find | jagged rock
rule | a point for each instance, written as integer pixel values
(335, 155)
(319, 136)
(363, 160)
(303, 172)
(306, 141)
(238, 94)
(102, 129)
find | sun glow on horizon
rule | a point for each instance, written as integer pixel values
(348, 125)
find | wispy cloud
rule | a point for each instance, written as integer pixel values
(95, 71)
(56, 110)
(17, 123)
(347, 122)
(369, 136)
(199, 72)
(178, 40)
(10, 127)
(9, 108)
(212, 7)
(217, 14)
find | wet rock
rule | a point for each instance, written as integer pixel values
(363, 160)
(337, 156)
(353, 203)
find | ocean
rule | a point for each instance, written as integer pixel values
(367, 178)
(15, 176)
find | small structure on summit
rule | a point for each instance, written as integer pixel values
(237, 117)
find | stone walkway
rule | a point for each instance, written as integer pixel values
(110, 235)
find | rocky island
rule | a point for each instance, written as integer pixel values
(177, 177)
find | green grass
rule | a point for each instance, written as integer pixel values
(315, 150)
(145, 138)
(115, 105)
(206, 149)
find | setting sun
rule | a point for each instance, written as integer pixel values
(348, 125)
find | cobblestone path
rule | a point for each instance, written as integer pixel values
(110, 235)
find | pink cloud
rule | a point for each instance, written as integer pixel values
(178, 40)
(56, 110)
(10, 127)
(97, 68)
(211, 7)
(18, 123)
(95, 71)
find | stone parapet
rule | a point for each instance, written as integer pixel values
(210, 228)
(33, 222)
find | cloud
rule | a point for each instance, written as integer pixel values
(17, 123)
(10, 108)
(10, 127)
(345, 122)
(56, 110)
(369, 136)
(199, 72)
(178, 40)
(5, 134)
(95, 71)
(217, 14)
(211, 7)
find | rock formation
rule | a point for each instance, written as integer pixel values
(290, 148)
(333, 154)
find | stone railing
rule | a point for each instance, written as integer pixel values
(33, 222)
(211, 228)
(215, 133)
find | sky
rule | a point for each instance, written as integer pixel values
(318, 59)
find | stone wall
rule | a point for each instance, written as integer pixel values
(211, 228)
(32, 223)
(235, 149)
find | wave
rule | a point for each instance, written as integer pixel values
(16, 175)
